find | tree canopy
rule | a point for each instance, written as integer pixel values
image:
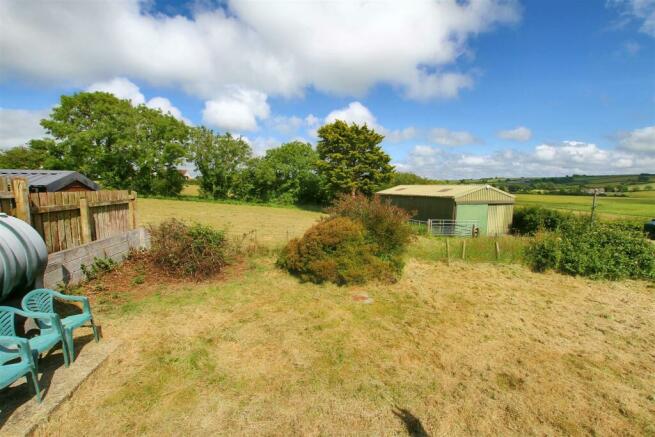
(110, 140)
(351, 159)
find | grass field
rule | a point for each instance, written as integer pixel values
(269, 225)
(466, 349)
(638, 205)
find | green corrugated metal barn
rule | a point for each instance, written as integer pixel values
(490, 207)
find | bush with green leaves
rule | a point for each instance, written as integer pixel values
(532, 219)
(362, 239)
(602, 251)
(194, 250)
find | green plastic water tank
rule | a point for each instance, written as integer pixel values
(23, 256)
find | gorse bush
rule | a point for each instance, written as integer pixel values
(386, 224)
(190, 250)
(360, 240)
(602, 251)
(532, 219)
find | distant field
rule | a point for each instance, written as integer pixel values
(637, 205)
(272, 224)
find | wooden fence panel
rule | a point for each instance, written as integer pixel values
(63, 219)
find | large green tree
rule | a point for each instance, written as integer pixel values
(221, 161)
(21, 157)
(286, 174)
(123, 146)
(351, 159)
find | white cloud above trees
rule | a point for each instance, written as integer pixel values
(343, 47)
(125, 89)
(18, 126)
(638, 140)
(557, 159)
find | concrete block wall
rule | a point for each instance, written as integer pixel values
(66, 266)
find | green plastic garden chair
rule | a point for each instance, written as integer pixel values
(16, 348)
(42, 300)
(51, 331)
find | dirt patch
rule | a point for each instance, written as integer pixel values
(138, 276)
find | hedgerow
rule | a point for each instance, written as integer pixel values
(600, 251)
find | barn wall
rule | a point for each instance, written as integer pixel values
(499, 219)
(487, 195)
(423, 207)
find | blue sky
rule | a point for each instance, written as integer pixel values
(460, 89)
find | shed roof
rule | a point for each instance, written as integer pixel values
(456, 192)
(50, 180)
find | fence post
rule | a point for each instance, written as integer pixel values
(20, 188)
(497, 251)
(132, 211)
(429, 227)
(463, 249)
(85, 221)
(447, 250)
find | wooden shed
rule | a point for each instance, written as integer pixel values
(488, 207)
(40, 181)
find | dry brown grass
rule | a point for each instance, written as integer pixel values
(466, 349)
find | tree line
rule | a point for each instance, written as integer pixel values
(139, 148)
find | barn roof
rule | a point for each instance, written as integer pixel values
(456, 192)
(50, 180)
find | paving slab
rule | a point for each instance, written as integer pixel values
(20, 413)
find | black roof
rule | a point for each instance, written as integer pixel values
(51, 180)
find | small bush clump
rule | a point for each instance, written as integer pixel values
(362, 239)
(532, 219)
(190, 250)
(602, 251)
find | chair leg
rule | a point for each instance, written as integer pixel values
(95, 331)
(64, 351)
(68, 333)
(35, 383)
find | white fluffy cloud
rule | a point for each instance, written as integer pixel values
(641, 10)
(565, 158)
(125, 89)
(445, 137)
(277, 48)
(18, 126)
(237, 110)
(356, 113)
(120, 87)
(639, 140)
(520, 133)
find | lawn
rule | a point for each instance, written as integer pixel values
(638, 205)
(461, 349)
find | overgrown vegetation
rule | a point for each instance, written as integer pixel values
(602, 251)
(530, 220)
(362, 239)
(194, 250)
(98, 267)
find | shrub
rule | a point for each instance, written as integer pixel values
(532, 219)
(603, 251)
(191, 250)
(386, 224)
(98, 268)
(361, 240)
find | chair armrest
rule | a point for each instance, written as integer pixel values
(83, 299)
(24, 350)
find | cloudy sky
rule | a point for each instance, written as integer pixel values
(460, 88)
